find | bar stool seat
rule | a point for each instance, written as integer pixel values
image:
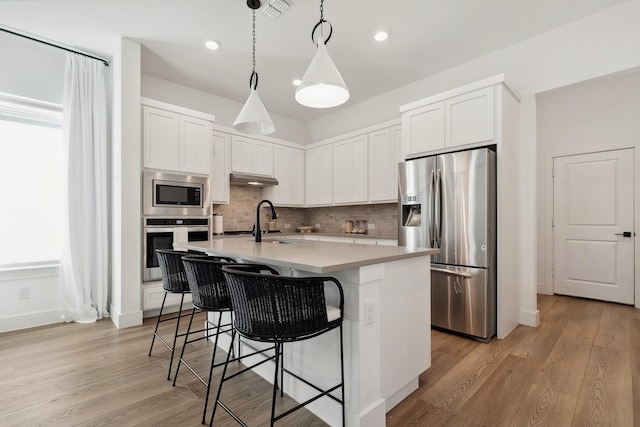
(278, 310)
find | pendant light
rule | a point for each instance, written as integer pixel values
(253, 118)
(322, 85)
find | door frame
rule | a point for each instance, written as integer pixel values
(547, 286)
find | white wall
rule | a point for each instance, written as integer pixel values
(598, 115)
(599, 45)
(36, 71)
(224, 110)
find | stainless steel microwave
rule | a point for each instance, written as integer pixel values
(175, 194)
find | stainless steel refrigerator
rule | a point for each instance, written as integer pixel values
(448, 201)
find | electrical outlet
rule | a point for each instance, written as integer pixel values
(371, 226)
(287, 226)
(369, 312)
(24, 293)
(317, 225)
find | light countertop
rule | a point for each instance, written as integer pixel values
(305, 255)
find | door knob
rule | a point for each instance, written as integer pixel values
(624, 234)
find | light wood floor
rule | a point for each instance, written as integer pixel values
(580, 367)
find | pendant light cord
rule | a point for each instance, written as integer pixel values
(253, 85)
(319, 24)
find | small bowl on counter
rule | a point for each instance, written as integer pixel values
(305, 229)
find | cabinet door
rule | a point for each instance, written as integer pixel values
(325, 174)
(342, 171)
(263, 158)
(319, 174)
(195, 145)
(470, 118)
(423, 129)
(281, 193)
(382, 161)
(359, 169)
(241, 154)
(297, 177)
(161, 136)
(220, 167)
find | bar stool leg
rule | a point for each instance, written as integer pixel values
(222, 379)
(184, 345)
(275, 383)
(213, 362)
(175, 337)
(155, 332)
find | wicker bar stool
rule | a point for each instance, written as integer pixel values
(174, 280)
(279, 310)
(208, 293)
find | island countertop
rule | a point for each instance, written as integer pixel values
(312, 256)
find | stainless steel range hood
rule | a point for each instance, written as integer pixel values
(237, 178)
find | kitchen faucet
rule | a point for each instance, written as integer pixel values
(273, 216)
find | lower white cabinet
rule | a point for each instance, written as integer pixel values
(153, 293)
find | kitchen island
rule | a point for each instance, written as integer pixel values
(387, 308)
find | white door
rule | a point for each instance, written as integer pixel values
(593, 226)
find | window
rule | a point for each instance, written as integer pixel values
(31, 183)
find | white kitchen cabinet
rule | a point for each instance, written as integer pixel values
(462, 117)
(423, 128)
(469, 118)
(350, 170)
(252, 156)
(220, 167)
(175, 142)
(384, 153)
(319, 176)
(289, 171)
(153, 293)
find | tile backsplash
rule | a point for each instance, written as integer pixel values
(240, 214)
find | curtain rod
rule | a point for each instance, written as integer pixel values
(104, 61)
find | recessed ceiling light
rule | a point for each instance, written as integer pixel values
(213, 45)
(381, 36)
(296, 82)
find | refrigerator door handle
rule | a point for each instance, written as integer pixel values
(430, 213)
(438, 209)
(452, 272)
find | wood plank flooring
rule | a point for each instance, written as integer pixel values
(580, 367)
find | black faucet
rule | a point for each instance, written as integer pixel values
(257, 227)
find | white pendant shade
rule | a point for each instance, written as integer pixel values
(253, 118)
(322, 85)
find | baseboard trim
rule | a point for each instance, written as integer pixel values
(530, 318)
(30, 320)
(127, 320)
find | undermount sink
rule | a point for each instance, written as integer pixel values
(278, 241)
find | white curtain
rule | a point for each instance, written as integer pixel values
(84, 260)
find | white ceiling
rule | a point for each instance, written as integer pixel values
(425, 37)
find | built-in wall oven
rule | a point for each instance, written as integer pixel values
(162, 233)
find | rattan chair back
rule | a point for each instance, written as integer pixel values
(208, 286)
(273, 308)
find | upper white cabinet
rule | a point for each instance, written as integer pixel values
(384, 156)
(469, 118)
(423, 128)
(319, 176)
(289, 171)
(458, 118)
(176, 142)
(350, 170)
(250, 155)
(220, 167)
